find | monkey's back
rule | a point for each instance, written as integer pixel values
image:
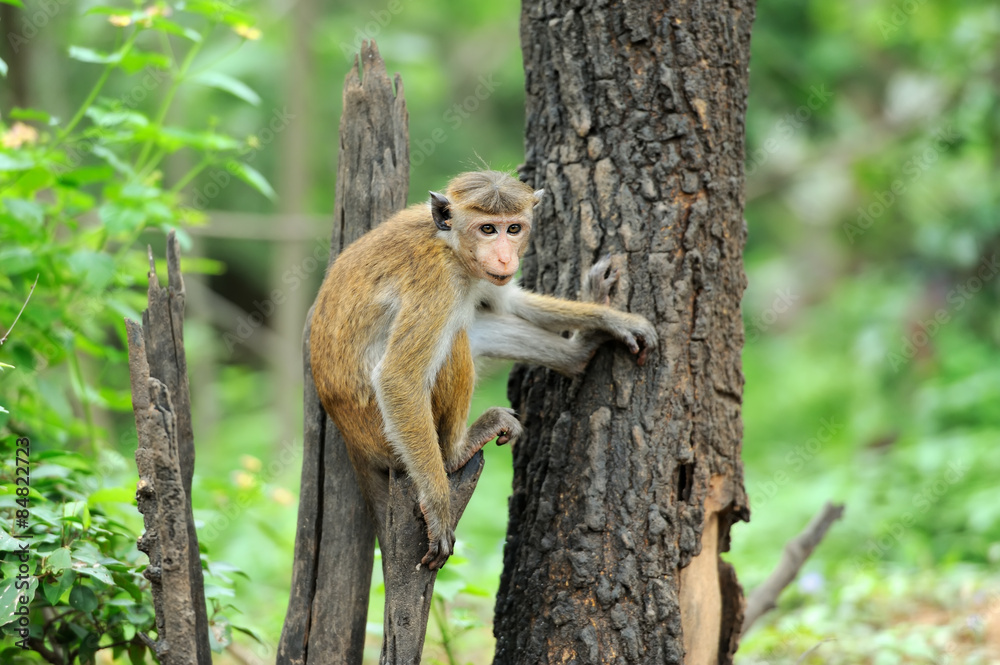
(360, 297)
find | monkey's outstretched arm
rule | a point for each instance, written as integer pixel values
(557, 315)
(512, 338)
(403, 395)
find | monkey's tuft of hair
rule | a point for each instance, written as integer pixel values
(491, 192)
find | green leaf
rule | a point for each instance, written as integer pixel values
(252, 177)
(34, 115)
(260, 637)
(54, 592)
(113, 495)
(16, 3)
(82, 598)
(112, 159)
(7, 542)
(58, 559)
(77, 509)
(16, 260)
(136, 60)
(120, 219)
(28, 213)
(168, 26)
(107, 118)
(172, 138)
(86, 175)
(10, 595)
(228, 84)
(137, 653)
(95, 270)
(84, 54)
(98, 572)
(125, 581)
(15, 162)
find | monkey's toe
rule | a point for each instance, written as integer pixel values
(438, 550)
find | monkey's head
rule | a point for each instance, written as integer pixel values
(486, 217)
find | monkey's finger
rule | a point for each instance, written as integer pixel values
(629, 340)
(641, 360)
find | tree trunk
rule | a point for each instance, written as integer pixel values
(627, 480)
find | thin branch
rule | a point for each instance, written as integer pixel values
(797, 550)
(802, 658)
(46, 653)
(30, 291)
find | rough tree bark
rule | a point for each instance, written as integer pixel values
(627, 480)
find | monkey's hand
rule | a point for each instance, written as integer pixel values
(635, 332)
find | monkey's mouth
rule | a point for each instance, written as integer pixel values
(500, 279)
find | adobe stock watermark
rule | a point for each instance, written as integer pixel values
(929, 495)
(293, 278)
(785, 128)
(913, 169)
(957, 298)
(794, 462)
(459, 112)
(381, 18)
(781, 304)
(900, 14)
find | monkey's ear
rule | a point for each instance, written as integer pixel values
(539, 193)
(440, 211)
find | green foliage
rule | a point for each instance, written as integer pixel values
(75, 197)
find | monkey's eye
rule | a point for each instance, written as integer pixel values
(514, 229)
(488, 229)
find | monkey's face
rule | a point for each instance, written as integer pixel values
(499, 243)
(486, 218)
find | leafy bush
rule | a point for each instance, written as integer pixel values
(75, 197)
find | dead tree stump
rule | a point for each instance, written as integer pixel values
(165, 459)
(334, 546)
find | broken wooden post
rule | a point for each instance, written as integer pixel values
(334, 547)
(165, 459)
(409, 587)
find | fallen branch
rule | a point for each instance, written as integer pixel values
(765, 597)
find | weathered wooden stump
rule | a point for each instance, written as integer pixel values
(165, 459)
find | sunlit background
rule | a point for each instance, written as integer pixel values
(871, 362)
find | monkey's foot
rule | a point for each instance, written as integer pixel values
(439, 547)
(497, 422)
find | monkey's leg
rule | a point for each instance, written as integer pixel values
(496, 423)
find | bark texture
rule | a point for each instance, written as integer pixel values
(165, 460)
(335, 542)
(627, 480)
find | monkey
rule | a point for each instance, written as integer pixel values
(403, 311)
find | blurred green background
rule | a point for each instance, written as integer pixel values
(871, 361)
